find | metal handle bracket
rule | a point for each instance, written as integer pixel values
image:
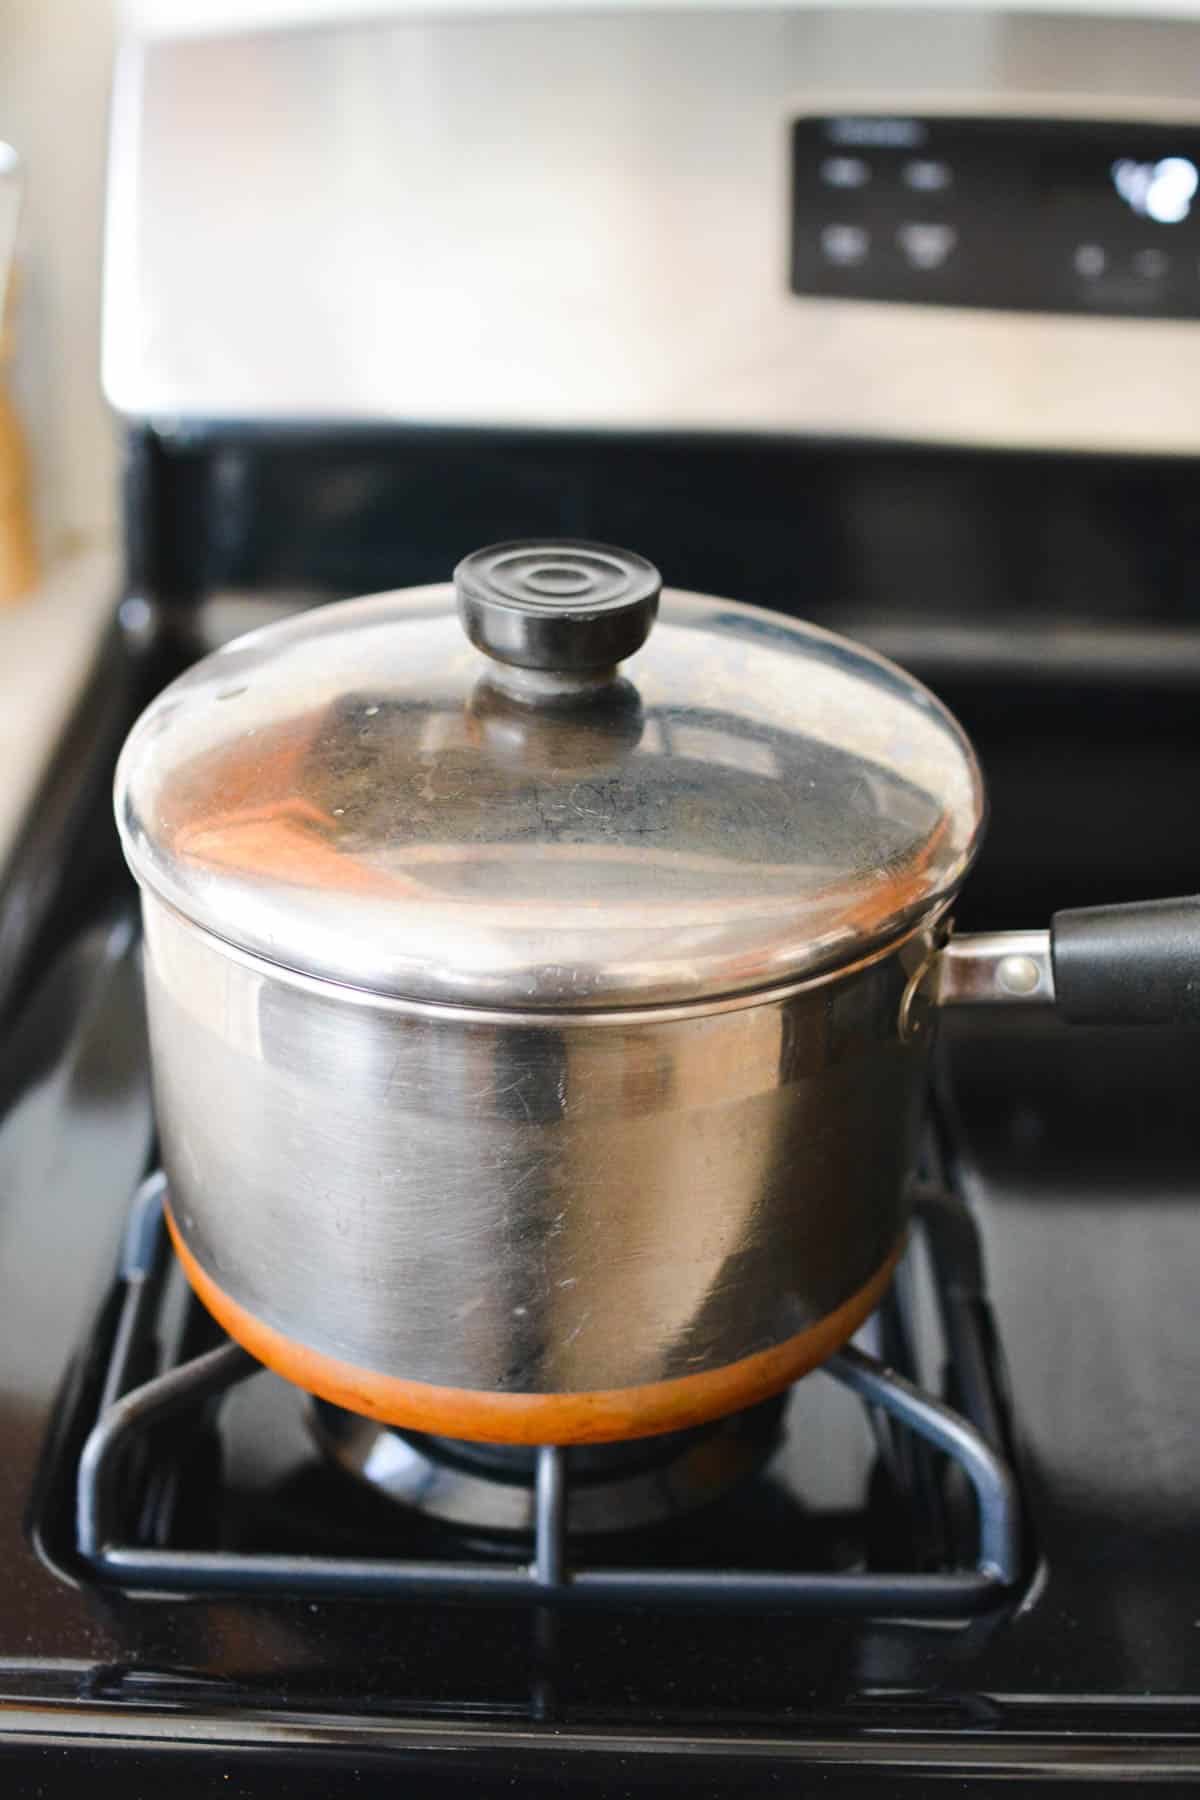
(995, 968)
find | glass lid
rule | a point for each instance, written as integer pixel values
(545, 786)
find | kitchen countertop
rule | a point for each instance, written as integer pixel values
(47, 643)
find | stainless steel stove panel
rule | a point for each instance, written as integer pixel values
(553, 218)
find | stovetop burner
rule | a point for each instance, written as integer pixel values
(491, 1489)
(913, 1548)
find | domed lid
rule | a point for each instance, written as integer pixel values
(494, 816)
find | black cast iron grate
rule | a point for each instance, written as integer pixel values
(556, 1576)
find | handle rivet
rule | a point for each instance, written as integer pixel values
(1018, 975)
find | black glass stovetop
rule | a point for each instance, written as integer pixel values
(1076, 1153)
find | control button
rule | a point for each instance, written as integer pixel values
(845, 172)
(926, 176)
(1091, 260)
(1152, 265)
(845, 245)
(927, 246)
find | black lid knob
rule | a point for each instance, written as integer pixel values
(564, 606)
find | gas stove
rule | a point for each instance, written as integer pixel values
(793, 1511)
(964, 1550)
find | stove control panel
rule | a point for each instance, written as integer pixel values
(1031, 215)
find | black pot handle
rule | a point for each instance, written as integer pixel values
(1128, 965)
(1097, 965)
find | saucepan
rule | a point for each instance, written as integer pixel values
(542, 972)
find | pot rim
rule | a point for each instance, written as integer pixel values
(668, 1012)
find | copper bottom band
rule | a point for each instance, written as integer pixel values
(592, 1418)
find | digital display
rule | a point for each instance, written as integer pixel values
(1040, 215)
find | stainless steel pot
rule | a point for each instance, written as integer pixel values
(539, 1049)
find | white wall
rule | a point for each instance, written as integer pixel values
(55, 60)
